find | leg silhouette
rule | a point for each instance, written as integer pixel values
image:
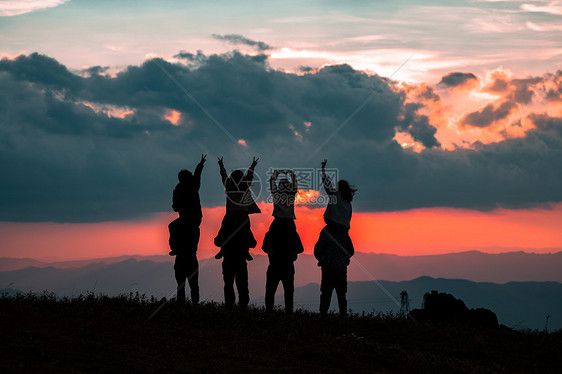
(326, 289)
(272, 281)
(228, 275)
(288, 280)
(242, 284)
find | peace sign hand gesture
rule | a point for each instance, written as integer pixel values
(254, 162)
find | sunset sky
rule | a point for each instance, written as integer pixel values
(446, 115)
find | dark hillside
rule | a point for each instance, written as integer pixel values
(102, 334)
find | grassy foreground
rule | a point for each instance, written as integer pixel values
(103, 334)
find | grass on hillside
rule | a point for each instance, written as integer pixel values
(96, 333)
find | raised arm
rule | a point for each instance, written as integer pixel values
(272, 179)
(250, 173)
(295, 183)
(198, 170)
(326, 180)
(222, 171)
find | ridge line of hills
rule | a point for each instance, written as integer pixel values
(472, 265)
(522, 289)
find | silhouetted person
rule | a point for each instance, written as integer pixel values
(334, 247)
(282, 242)
(235, 236)
(184, 231)
(185, 198)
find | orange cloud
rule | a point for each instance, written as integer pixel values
(406, 141)
(110, 110)
(173, 116)
(482, 111)
(497, 81)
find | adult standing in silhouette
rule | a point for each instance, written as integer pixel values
(282, 242)
(235, 236)
(334, 247)
(184, 231)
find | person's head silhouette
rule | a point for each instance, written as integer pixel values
(346, 190)
(236, 177)
(185, 176)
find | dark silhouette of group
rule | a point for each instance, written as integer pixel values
(281, 243)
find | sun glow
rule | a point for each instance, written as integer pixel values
(306, 196)
(407, 142)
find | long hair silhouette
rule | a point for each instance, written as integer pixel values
(347, 191)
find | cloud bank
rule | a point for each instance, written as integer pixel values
(93, 147)
(17, 7)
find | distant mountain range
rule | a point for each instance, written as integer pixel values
(521, 302)
(472, 265)
(9, 263)
(517, 304)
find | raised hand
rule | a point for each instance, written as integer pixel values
(221, 164)
(203, 159)
(254, 162)
(324, 163)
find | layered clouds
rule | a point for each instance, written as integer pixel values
(89, 146)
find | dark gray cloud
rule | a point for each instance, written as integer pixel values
(548, 124)
(489, 114)
(456, 78)
(41, 70)
(523, 92)
(94, 70)
(240, 39)
(499, 85)
(428, 93)
(197, 57)
(62, 160)
(306, 69)
(418, 125)
(554, 93)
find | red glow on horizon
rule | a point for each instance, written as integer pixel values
(412, 232)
